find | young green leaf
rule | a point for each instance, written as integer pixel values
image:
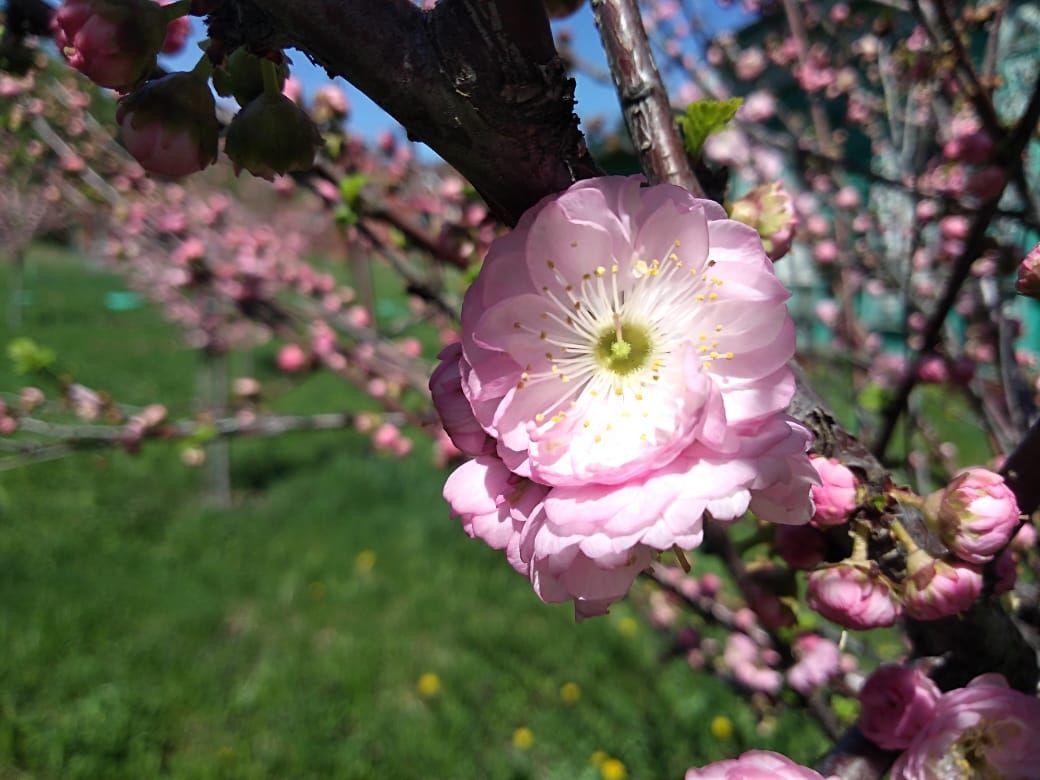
(704, 117)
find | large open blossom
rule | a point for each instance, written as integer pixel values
(623, 359)
(983, 730)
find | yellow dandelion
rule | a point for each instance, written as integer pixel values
(523, 738)
(597, 758)
(365, 561)
(429, 685)
(721, 727)
(612, 769)
(570, 692)
(628, 626)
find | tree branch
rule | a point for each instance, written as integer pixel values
(479, 82)
(644, 101)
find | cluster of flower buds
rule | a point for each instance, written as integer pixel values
(975, 516)
(169, 124)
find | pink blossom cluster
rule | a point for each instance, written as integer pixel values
(985, 729)
(621, 377)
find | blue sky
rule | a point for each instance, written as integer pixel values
(594, 99)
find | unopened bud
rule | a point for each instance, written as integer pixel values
(271, 136)
(769, 210)
(170, 126)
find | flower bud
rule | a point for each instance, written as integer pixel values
(853, 595)
(1028, 283)
(292, 359)
(896, 703)
(330, 104)
(177, 32)
(976, 514)
(170, 125)
(769, 210)
(271, 136)
(936, 589)
(111, 42)
(835, 496)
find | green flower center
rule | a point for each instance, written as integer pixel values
(623, 348)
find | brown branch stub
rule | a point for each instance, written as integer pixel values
(479, 82)
(644, 100)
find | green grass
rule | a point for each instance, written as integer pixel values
(144, 634)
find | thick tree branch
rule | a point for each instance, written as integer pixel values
(479, 82)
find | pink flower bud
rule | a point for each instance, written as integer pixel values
(835, 496)
(292, 89)
(111, 42)
(933, 370)
(936, 589)
(927, 210)
(976, 514)
(818, 661)
(897, 702)
(754, 765)
(385, 436)
(292, 359)
(177, 32)
(825, 252)
(847, 198)
(330, 103)
(955, 227)
(170, 125)
(769, 210)
(1028, 283)
(855, 596)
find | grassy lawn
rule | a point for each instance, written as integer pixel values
(144, 634)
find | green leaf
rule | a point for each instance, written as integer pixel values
(704, 117)
(28, 357)
(350, 188)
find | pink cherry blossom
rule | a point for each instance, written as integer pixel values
(977, 514)
(626, 348)
(750, 665)
(754, 765)
(896, 703)
(854, 596)
(835, 496)
(818, 660)
(985, 729)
